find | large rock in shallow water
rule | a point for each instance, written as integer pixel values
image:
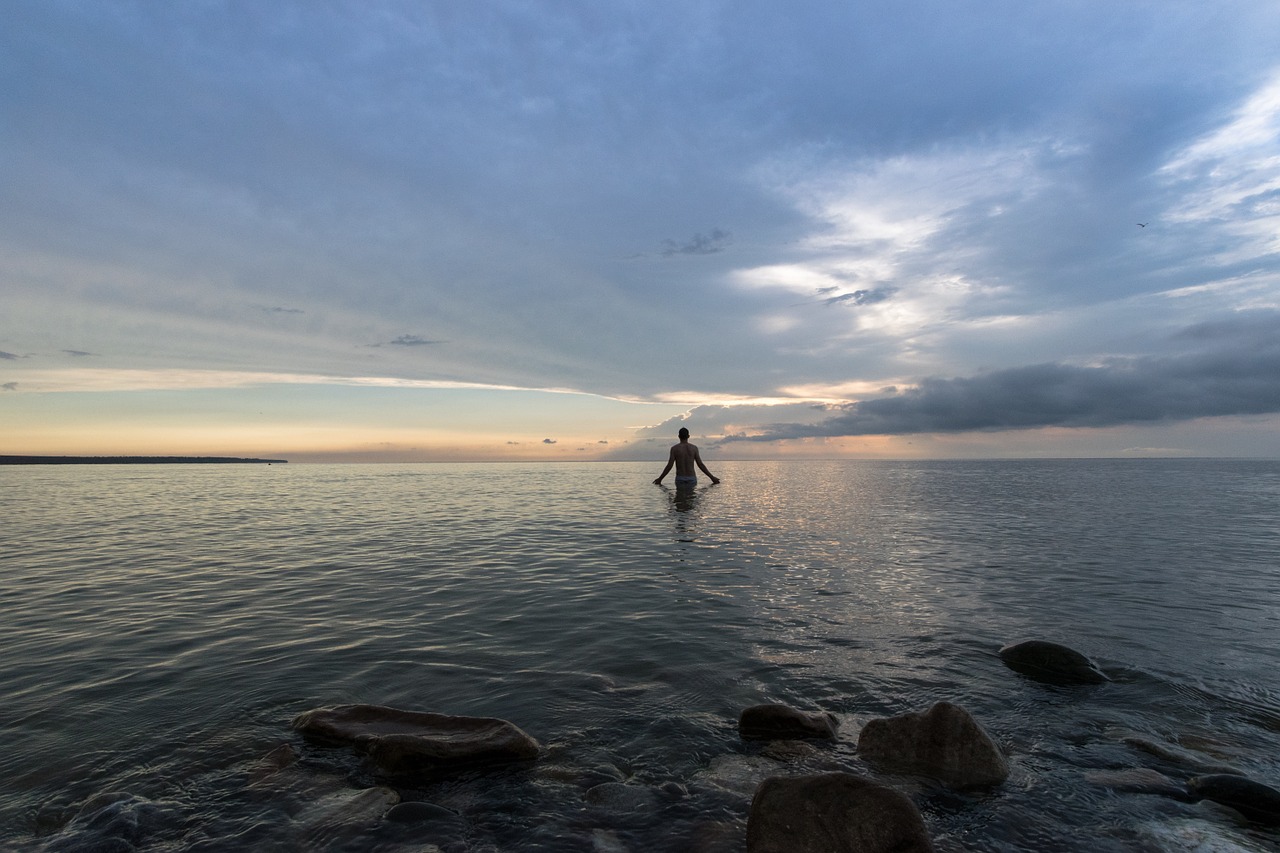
(782, 722)
(1051, 663)
(413, 742)
(945, 743)
(1254, 800)
(833, 813)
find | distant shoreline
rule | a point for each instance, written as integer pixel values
(131, 460)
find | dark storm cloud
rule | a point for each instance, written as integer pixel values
(8, 356)
(548, 441)
(1241, 378)
(77, 353)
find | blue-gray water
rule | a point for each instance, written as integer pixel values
(163, 624)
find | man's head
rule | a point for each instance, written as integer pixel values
(684, 434)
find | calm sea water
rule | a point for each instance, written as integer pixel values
(163, 624)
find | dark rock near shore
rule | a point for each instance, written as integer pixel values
(833, 813)
(945, 743)
(782, 722)
(1258, 802)
(414, 742)
(1051, 663)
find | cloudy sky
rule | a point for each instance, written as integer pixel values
(560, 230)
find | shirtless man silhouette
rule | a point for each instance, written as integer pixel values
(684, 456)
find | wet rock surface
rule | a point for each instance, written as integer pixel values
(1257, 802)
(1051, 663)
(782, 722)
(945, 743)
(415, 742)
(833, 813)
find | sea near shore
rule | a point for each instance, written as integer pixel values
(164, 624)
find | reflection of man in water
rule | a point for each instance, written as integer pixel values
(684, 456)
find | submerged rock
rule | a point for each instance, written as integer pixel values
(417, 811)
(607, 841)
(1137, 781)
(1198, 836)
(833, 813)
(619, 796)
(782, 722)
(1051, 663)
(108, 822)
(411, 742)
(340, 817)
(738, 774)
(945, 743)
(1258, 802)
(1189, 761)
(280, 758)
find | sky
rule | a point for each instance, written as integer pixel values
(419, 231)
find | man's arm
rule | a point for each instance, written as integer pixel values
(671, 460)
(697, 457)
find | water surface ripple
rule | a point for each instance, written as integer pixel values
(163, 624)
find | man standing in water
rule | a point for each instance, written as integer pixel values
(684, 456)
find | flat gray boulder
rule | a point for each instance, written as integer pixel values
(782, 722)
(1051, 663)
(944, 743)
(415, 742)
(833, 813)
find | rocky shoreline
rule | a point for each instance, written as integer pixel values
(801, 800)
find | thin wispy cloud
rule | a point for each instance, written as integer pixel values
(407, 341)
(412, 341)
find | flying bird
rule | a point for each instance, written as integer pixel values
(1142, 225)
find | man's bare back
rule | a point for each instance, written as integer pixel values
(684, 457)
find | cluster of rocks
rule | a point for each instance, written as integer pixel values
(829, 811)
(844, 812)
(795, 812)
